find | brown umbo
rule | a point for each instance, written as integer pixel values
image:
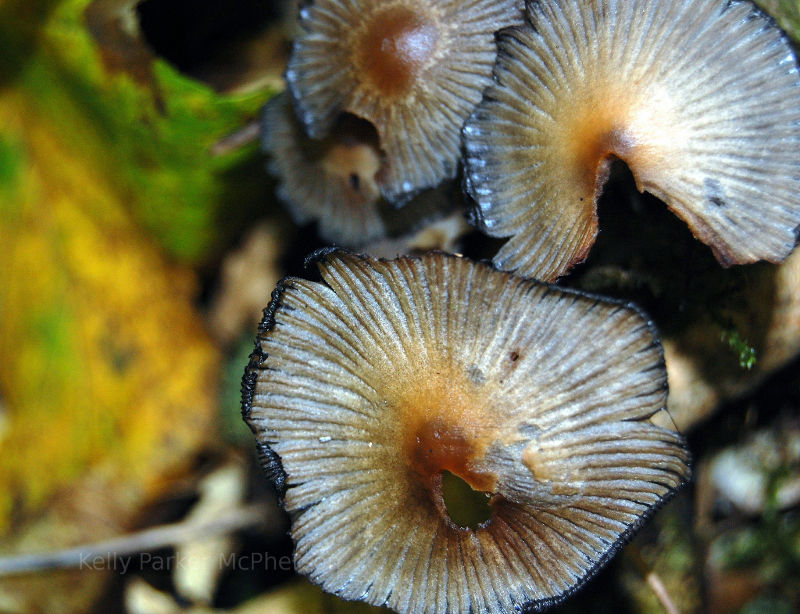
(365, 389)
(415, 70)
(700, 98)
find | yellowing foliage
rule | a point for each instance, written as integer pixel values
(105, 369)
(104, 361)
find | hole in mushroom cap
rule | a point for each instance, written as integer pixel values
(444, 458)
(466, 507)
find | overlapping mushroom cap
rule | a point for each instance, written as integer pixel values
(415, 70)
(364, 389)
(701, 99)
(333, 180)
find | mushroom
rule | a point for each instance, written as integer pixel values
(415, 70)
(700, 98)
(331, 181)
(371, 390)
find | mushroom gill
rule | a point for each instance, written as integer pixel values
(368, 387)
(415, 70)
(700, 98)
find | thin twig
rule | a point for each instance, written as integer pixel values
(652, 579)
(141, 541)
(236, 140)
(657, 586)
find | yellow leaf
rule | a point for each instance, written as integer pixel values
(105, 369)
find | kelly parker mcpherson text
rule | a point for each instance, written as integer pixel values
(161, 562)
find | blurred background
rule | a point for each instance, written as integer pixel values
(140, 239)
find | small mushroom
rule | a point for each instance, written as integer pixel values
(369, 392)
(332, 180)
(415, 70)
(700, 98)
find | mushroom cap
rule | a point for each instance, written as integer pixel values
(365, 388)
(700, 98)
(332, 180)
(414, 69)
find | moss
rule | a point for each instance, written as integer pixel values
(745, 352)
(152, 141)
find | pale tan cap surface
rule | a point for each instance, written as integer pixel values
(701, 99)
(414, 69)
(368, 386)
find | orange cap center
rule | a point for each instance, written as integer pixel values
(393, 49)
(441, 447)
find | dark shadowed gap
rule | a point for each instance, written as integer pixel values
(190, 34)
